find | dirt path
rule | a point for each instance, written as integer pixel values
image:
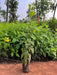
(36, 68)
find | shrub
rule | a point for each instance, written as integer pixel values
(53, 24)
(25, 39)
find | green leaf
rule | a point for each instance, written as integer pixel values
(17, 46)
(32, 50)
(54, 54)
(33, 37)
(44, 54)
(29, 6)
(32, 13)
(14, 40)
(17, 55)
(12, 54)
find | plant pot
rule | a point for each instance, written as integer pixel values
(26, 67)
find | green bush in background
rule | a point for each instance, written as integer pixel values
(53, 24)
(27, 38)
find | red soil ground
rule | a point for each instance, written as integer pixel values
(36, 68)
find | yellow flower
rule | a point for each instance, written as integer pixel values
(7, 39)
(54, 52)
(34, 30)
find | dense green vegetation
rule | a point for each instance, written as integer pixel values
(23, 39)
(28, 39)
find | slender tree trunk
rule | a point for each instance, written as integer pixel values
(54, 11)
(36, 8)
(7, 10)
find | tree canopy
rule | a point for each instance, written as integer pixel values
(41, 7)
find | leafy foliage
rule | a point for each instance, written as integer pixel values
(53, 24)
(13, 5)
(29, 38)
(42, 7)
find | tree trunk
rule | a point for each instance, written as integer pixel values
(36, 8)
(7, 10)
(54, 11)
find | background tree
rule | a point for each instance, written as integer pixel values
(36, 4)
(54, 9)
(13, 5)
(7, 4)
(31, 11)
(28, 11)
(42, 7)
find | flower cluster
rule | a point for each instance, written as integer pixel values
(53, 50)
(7, 39)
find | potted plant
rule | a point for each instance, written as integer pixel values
(26, 55)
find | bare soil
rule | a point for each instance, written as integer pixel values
(36, 68)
